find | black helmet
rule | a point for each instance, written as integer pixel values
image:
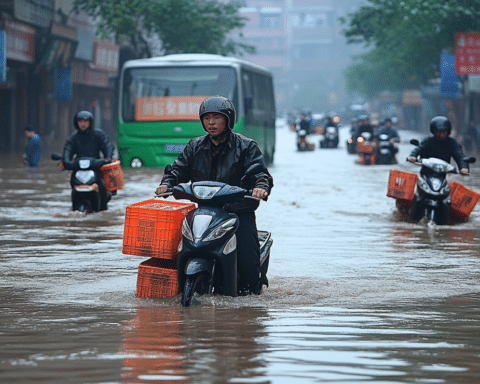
(440, 124)
(83, 115)
(218, 104)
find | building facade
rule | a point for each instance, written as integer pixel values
(53, 67)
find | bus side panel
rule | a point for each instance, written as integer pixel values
(154, 144)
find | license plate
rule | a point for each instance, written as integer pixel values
(174, 148)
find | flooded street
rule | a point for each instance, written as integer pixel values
(356, 295)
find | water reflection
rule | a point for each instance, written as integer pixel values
(203, 344)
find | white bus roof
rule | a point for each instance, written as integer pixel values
(189, 59)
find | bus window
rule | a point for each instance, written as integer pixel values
(164, 84)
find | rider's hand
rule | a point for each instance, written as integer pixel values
(161, 189)
(259, 193)
(412, 159)
(464, 171)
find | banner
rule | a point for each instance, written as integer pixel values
(3, 59)
(449, 79)
(168, 108)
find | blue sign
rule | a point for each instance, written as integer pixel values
(449, 79)
(63, 84)
(3, 57)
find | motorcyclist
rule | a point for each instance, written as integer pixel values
(88, 142)
(304, 124)
(364, 126)
(223, 155)
(440, 145)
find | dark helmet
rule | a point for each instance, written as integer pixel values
(83, 115)
(440, 124)
(218, 104)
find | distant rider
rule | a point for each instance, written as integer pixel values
(440, 145)
(304, 124)
(364, 126)
(223, 155)
(88, 142)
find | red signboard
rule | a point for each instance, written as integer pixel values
(105, 56)
(20, 41)
(467, 53)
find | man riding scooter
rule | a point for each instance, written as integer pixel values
(223, 155)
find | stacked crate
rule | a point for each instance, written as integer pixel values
(401, 186)
(153, 229)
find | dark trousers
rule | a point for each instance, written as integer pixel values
(248, 254)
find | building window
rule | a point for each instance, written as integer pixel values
(270, 20)
(310, 20)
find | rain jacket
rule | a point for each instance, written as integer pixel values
(238, 154)
(90, 143)
(441, 149)
(33, 152)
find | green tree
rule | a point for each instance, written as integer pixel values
(406, 39)
(183, 26)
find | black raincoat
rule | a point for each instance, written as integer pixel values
(196, 163)
(441, 149)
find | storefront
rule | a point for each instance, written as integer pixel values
(18, 50)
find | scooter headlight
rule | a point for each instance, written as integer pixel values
(84, 176)
(221, 230)
(186, 231)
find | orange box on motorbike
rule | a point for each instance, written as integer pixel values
(113, 175)
(463, 199)
(401, 184)
(157, 278)
(364, 148)
(153, 228)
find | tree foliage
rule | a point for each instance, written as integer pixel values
(183, 26)
(406, 39)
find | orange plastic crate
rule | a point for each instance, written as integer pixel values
(401, 184)
(463, 199)
(153, 228)
(157, 278)
(113, 176)
(364, 148)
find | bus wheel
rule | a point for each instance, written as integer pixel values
(136, 163)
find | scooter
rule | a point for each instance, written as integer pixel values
(385, 150)
(329, 138)
(351, 143)
(207, 254)
(366, 148)
(86, 196)
(303, 144)
(432, 194)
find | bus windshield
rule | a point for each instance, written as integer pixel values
(173, 93)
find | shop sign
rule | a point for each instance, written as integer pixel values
(105, 56)
(60, 46)
(412, 97)
(3, 59)
(82, 74)
(467, 53)
(20, 42)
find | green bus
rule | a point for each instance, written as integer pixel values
(160, 98)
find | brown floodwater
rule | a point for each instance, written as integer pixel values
(356, 295)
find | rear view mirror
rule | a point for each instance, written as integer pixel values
(56, 156)
(415, 142)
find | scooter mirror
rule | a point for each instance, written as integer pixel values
(470, 159)
(415, 142)
(56, 156)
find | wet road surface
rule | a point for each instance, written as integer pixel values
(356, 295)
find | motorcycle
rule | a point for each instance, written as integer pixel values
(302, 143)
(352, 143)
(329, 138)
(366, 148)
(385, 150)
(207, 254)
(432, 194)
(86, 196)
